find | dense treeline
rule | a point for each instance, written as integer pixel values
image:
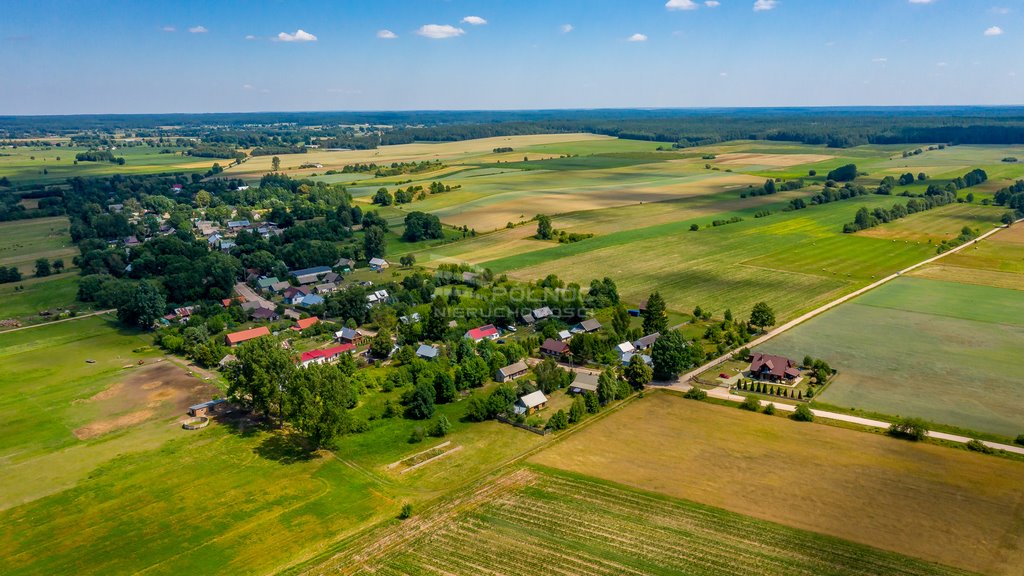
(869, 219)
(98, 156)
(834, 127)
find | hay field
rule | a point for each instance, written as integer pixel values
(542, 521)
(996, 261)
(938, 225)
(769, 160)
(943, 505)
(943, 351)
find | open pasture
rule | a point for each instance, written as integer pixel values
(41, 164)
(949, 506)
(997, 261)
(943, 351)
(572, 524)
(23, 241)
(934, 226)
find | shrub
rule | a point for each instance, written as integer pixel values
(769, 409)
(979, 446)
(803, 414)
(417, 435)
(406, 512)
(910, 428)
(694, 227)
(695, 393)
(1019, 439)
(560, 421)
(751, 403)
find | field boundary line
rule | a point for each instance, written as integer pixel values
(59, 321)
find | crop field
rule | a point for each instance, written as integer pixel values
(41, 164)
(938, 225)
(943, 351)
(953, 507)
(997, 261)
(572, 524)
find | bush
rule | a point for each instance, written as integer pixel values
(1019, 440)
(769, 409)
(694, 227)
(417, 435)
(979, 446)
(406, 512)
(695, 393)
(751, 403)
(803, 414)
(910, 428)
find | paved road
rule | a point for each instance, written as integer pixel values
(80, 316)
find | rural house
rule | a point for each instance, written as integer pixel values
(531, 403)
(265, 314)
(629, 356)
(378, 264)
(236, 338)
(646, 342)
(205, 408)
(266, 283)
(311, 300)
(345, 264)
(554, 348)
(773, 368)
(324, 355)
(584, 382)
(591, 325)
(487, 332)
(512, 371)
(377, 297)
(305, 323)
(427, 352)
(349, 335)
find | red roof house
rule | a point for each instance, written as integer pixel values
(774, 368)
(236, 338)
(301, 325)
(324, 355)
(488, 332)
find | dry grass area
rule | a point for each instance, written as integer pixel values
(949, 506)
(936, 225)
(773, 160)
(996, 261)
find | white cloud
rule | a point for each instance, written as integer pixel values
(248, 87)
(762, 5)
(880, 60)
(386, 35)
(712, 3)
(250, 37)
(566, 28)
(681, 5)
(638, 37)
(474, 20)
(169, 29)
(921, 1)
(994, 31)
(941, 64)
(439, 31)
(198, 30)
(300, 35)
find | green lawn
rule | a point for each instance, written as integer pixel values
(26, 240)
(40, 164)
(944, 351)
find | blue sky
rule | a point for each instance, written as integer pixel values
(65, 57)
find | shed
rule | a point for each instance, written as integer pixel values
(426, 352)
(531, 403)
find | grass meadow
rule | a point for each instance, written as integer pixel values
(539, 520)
(953, 507)
(41, 165)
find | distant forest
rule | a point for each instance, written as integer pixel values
(682, 128)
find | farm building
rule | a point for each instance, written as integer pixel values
(306, 323)
(552, 347)
(512, 371)
(310, 275)
(228, 301)
(205, 408)
(236, 338)
(378, 264)
(267, 283)
(279, 287)
(350, 335)
(531, 403)
(324, 355)
(584, 382)
(427, 352)
(773, 368)
(238, 224)
(487, 332)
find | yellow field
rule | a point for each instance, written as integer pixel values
(937, 225)
(949, 506)
(773, 160)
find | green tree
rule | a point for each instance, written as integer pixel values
(803, 414)
(318, 400)
(419, 404)
(671, 355)
(578, 410)
(142, 306)
(638, 373)
(444, 388)
(751, 403)
(550, 376)
(58, 265)
(374, 242)
(762, 316)
(909, 428)
(437, 320)
(620, 320)
(655, 317)
(261, 375)
(203, 199)
(42, 267)
(544, 228)
(606, 387)
(275, 164)
(380, 346)
(559, 421)
(382, 197)
(441, 427)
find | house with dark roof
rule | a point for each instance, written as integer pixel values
(350, 335)
(773, 368)
(554, 348)
(589, 325)
(310, 275)
(345, 264)
(646, 342)
(427, 352)
(295, 294)
(512, 371)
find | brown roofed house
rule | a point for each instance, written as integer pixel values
(773, 368)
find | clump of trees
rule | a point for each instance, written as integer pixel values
(421, 226)
(865, 219)
(909, 428)
(99, 156)
(845, 173)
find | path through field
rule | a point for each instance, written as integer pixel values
(79, 317)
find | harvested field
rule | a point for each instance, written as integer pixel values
(949, 506)
(577, 525)
(772, 160)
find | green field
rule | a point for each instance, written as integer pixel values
(26, 240)
(539, 521)
(39, 164)
(939, 350)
